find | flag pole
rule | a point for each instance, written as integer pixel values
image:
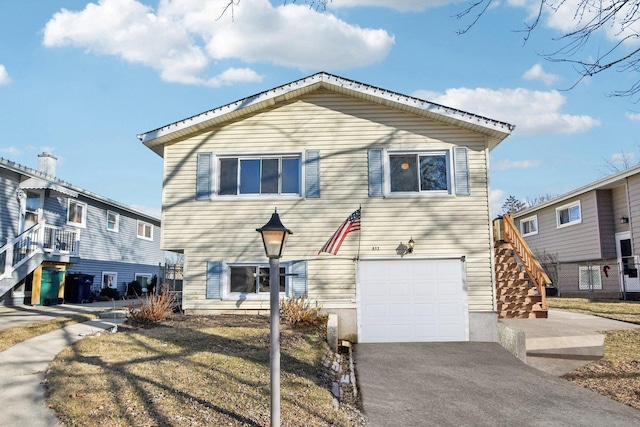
(359, 233)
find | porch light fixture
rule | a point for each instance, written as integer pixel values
(403, 249)
(624, 219)
(274, 238)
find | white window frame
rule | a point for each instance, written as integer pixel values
(83, 219)
(116, 227)
(420, 193)
(109, 273)
(254, 296)
(147, 275)
(531, 219)
(216, 180)
(597, 282)
(144, 225)
(568, 207)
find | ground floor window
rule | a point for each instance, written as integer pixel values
(109, 279)
(144, 280)
(590, 278)
(253, 279)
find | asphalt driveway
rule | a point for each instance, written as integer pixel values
(472, 384)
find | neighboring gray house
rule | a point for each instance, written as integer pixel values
(51, 230)
(317, 149)
(590, 237)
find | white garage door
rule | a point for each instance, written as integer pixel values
(412, 300)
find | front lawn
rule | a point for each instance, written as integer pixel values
(196, 371)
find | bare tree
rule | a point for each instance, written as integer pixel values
(620, 162)
(577, 46)
(536, 200)
(230, 6)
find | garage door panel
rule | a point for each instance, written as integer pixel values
(411, 300)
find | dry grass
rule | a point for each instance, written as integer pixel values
(617, 374)
(12, 336)
(613, 309)
(196, 371)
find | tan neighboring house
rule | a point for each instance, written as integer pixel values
(317, 149)
(590, 236)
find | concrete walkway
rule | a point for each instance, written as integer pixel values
(565, 341)
(23, 366)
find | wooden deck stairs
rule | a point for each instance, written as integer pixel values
(520, 280)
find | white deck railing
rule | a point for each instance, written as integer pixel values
(41, 238)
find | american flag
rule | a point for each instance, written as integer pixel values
(351, 224)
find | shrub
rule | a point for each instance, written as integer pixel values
(153, 308)
(298, 311)
(111, 293)
(134, 288)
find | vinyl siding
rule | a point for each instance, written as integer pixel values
(9, 206)
(343, 129)
(620, 207)
(606, 225)
(98, 243)
(571, 243)
(634, 211)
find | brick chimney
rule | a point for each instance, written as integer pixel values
(47, 164)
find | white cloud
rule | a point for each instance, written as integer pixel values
(634, 117)
(537, 73)
(12, 151)
(533, 112)
(400, 5)
(151, 210)
(514, 164)
(183, 39)
(624, 158)
(497, 200)
(4, 76)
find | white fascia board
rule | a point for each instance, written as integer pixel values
(495, 129)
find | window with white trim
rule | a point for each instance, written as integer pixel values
(568, 214)
(252, 281)
(109, 279)
(590, 278)
(259, 175)
(144, 279)
(113, 221)
(145, 230)
(77, 213)
(529, 226)
(419, 172)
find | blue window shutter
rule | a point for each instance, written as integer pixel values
(214, 280)
(312, 173)
(461, 165)
(203, 178)
(375, 172)
(299, 279)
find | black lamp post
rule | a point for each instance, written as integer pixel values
(274, 237)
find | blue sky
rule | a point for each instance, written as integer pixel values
(81, 79)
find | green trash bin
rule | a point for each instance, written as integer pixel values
(50, 286)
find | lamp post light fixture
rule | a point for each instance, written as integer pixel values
(274, 238)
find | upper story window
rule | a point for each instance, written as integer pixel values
(568, 215)
(113, 221)
(529, 226)
(419, 172)
(259, 175)
(145, 230)
(77, 213)
(274, 175)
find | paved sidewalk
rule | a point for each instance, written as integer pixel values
(22, 315)
(23, 366)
